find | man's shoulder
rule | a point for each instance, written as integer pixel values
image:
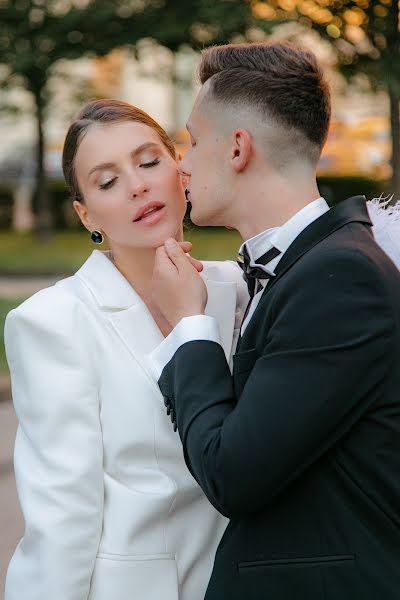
(353, 249)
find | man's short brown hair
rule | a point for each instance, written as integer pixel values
(284, 82)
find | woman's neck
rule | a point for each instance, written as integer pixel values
(136, 265)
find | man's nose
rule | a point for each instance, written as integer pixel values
(184, 167)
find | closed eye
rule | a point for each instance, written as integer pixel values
(153, 163)
(107, 184)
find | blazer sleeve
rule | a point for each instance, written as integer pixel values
(323, 365)
(58, 449)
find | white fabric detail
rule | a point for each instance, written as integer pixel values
(280, 238)
(386, 225)
(199, 327)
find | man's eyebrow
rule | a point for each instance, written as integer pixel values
(134, 153)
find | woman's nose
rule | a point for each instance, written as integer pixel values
(138, 186)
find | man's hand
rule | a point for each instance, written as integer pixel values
(178, 289)
(186, 247)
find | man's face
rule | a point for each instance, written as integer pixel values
(205, 164)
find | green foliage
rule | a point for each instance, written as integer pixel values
(65, 251)
(62, 253)
(335, 189)
(364, 33)
(366, 37)
(36, 34)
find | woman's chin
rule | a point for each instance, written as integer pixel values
(161, 237)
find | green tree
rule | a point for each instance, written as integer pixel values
(36, 34)
(366, 36)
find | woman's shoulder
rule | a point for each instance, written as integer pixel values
(51, 305)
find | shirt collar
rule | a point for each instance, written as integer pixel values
(282, 237)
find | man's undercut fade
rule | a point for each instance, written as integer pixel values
(283, 82)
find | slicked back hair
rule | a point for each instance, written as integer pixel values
(283, 82)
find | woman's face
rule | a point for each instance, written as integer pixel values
(130, 184)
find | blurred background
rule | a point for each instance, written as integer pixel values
(57, 54)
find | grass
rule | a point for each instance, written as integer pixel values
(65, 252)
(5, 307)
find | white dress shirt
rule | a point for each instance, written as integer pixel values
(202, 327)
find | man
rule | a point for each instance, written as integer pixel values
(300, 448)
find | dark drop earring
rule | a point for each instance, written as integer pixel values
(97, 237)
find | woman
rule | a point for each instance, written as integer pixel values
(111, 510)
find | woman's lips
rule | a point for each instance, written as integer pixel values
(149, 206)
(153, 217)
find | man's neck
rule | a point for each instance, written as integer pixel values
(273, 207)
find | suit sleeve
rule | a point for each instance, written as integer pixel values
(58, 451)
(323, 364)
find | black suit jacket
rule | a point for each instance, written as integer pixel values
(301, 447)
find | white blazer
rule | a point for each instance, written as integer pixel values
(111, 511)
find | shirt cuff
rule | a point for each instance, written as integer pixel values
(189, 329)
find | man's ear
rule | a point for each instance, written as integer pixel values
(82, 212)
(242, 148)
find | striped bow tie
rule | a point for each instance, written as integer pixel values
(251, 275)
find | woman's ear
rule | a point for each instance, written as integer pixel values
(82, 212)
(241, 149)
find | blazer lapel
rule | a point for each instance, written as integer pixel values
(122, 306)
(351, 210)
(130, 317)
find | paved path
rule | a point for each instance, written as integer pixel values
(19, 287)
(11, 523)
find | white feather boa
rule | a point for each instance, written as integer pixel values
(386, 225)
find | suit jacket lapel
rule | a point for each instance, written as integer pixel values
(351, 210)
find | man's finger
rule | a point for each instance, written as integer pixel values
(176, 254)
(163, 264)
(186, 246)
(197, 264)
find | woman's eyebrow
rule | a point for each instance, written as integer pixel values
(144, 146)
(110, 165)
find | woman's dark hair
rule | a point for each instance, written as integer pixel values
(102, 112)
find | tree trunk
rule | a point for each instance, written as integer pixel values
(395, 130)
(41, 198)
(393, 46)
